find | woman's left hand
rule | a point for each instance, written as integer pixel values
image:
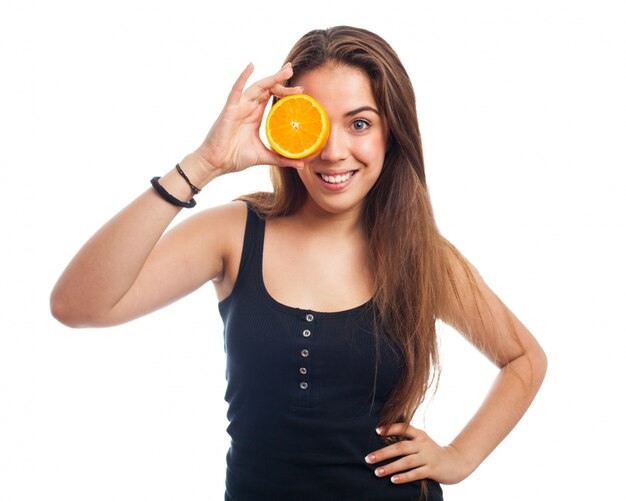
(419, 457)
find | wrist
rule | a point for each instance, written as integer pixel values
(465, 463)
(199, 171)
(183, 182)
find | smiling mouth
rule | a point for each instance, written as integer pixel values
(342, 178)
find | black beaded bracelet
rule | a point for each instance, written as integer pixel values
(168, 197)
(195, 189)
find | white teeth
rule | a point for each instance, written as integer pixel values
(337, 179)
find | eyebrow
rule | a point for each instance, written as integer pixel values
(361, 109)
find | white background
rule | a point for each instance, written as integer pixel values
(522, 109)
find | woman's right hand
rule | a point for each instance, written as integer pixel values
(127, 269)
(233, 143)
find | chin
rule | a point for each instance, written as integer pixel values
(338, 207)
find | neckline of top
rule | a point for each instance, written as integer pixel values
(294, 309)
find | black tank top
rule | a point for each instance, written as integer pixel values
(304, 396)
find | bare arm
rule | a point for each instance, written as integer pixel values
(493, 328)
(128, 268)
(502, 337)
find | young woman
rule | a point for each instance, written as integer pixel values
(329, 288)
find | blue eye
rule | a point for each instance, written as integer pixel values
(360, 125)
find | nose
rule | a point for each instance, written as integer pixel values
(336, 148)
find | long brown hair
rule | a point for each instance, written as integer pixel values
(406, 250)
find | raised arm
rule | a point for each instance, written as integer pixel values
(475, 311)
(128, 268)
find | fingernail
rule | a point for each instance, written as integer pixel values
(379, 430)
(379, 472)
(395, 478)
(370, 459)
(286, 65)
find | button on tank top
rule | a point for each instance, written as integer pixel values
(304, 395)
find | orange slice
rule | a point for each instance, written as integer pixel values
(297, 126)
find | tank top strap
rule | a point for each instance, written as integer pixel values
(252, 253)
(250, 265)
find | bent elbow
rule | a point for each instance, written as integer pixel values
(70, 311)
(63, 313)
(76, 312)
(539, 365)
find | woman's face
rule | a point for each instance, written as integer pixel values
(339, 176)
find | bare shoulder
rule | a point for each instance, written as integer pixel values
(203, 243)
(466, 296)
(220, 228)
(476, 311)
(190, 254)
(225, 215)
(223, 228)
(232, 219)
